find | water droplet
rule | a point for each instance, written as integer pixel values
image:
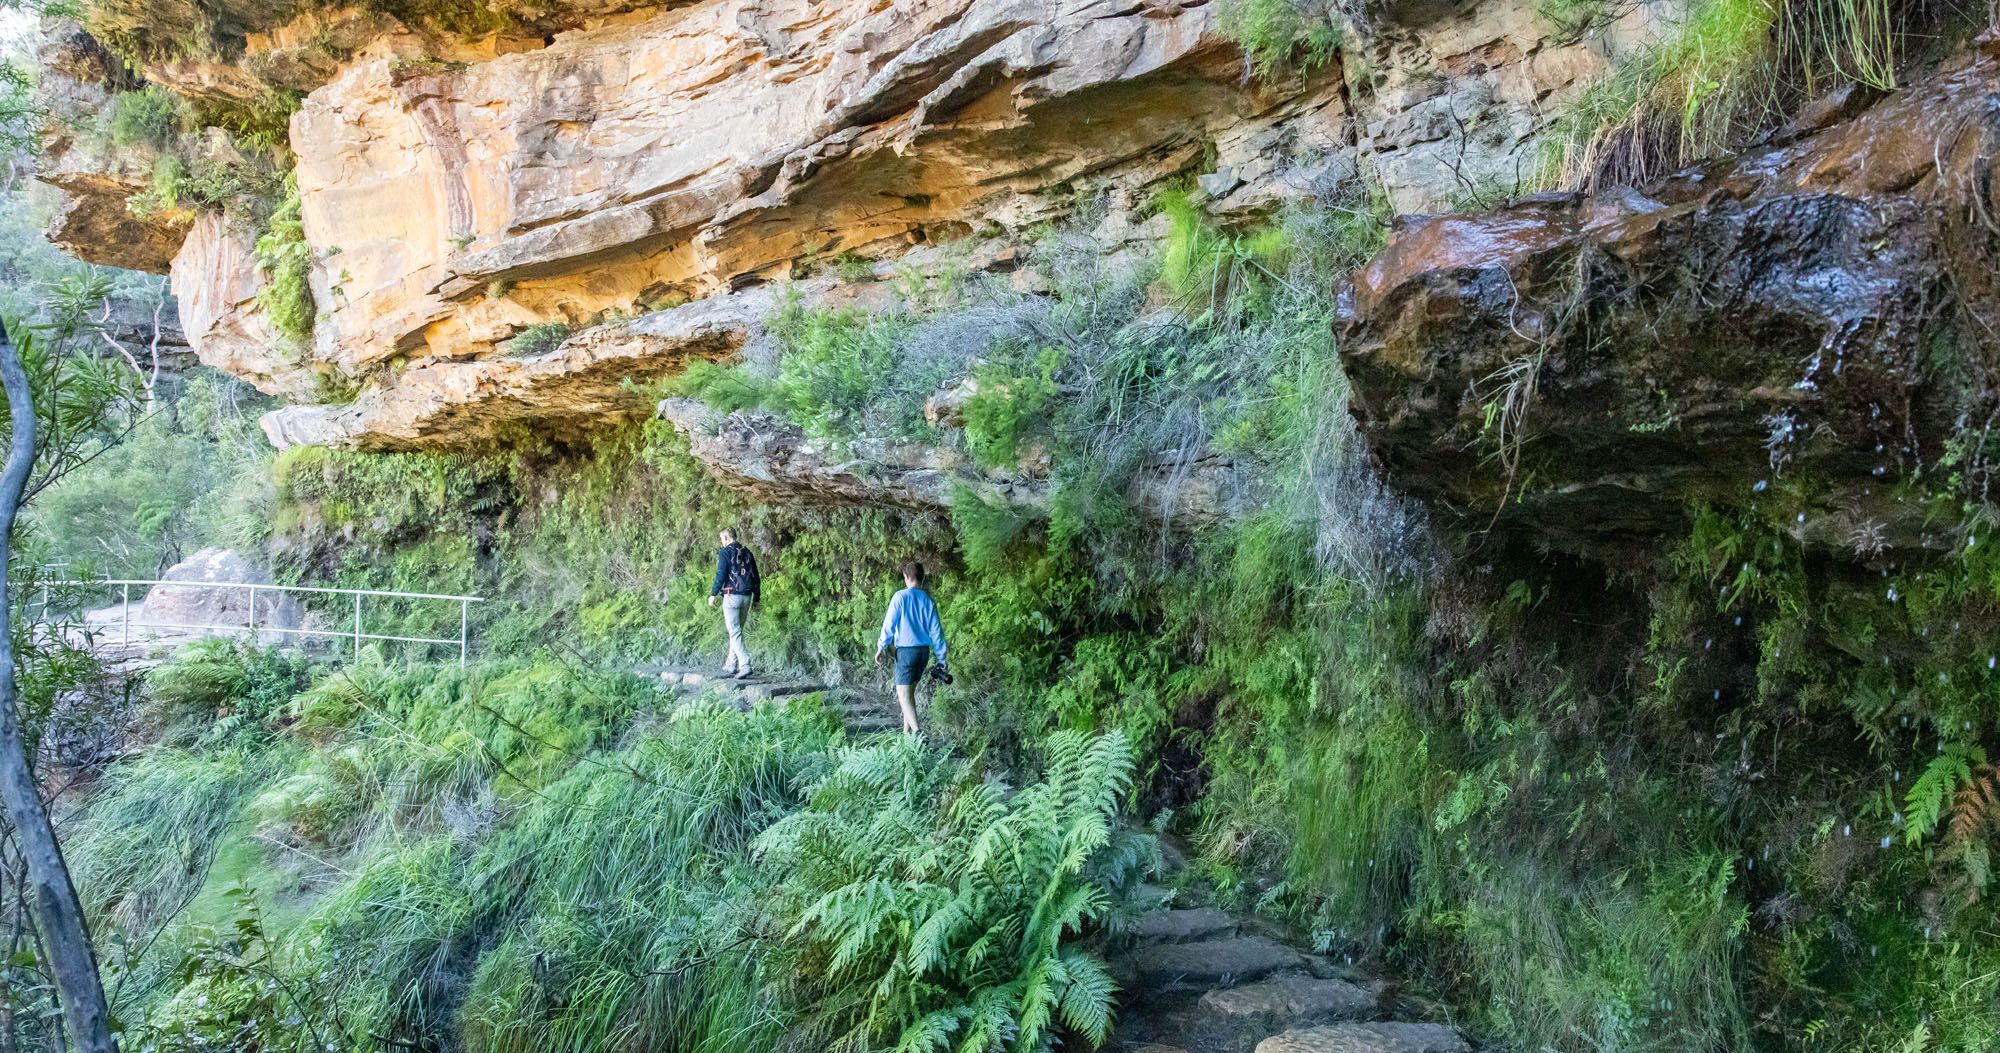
(1761, 484)
(1943, 679)
(1880, 470)
(1802, 517)
(1739, 619)
(1718, 694)
(1885, 841)
(1750, 864)
(1708, 644)
(1892, 594)
(1871, 953)
(1898, 777)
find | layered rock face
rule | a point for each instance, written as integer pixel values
(713, 146)
(1809, 323)
(596, 159)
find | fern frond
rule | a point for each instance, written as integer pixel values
(1940, 779)
(1086, 1002)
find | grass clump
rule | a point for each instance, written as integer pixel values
(1279, 36)
(538, 339)
(1725, 70)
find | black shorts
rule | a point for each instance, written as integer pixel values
(910, 665)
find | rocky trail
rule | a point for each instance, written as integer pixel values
(1205, 980)
(862, 712)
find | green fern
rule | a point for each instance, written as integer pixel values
(931, 910)
(1942, 777)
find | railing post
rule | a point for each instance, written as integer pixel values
(253, 614)
(463, 606)
(357, 626)
(126, 640)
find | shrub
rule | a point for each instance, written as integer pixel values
(725, 387)
(1008, 408)
(935, 911)
(151, 116)
(538, 339)
(835, 365)
(219, 679)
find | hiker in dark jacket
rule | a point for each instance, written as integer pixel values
(913, 629)
(737, 588)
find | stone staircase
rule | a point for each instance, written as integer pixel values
(1193, 979)
(1203, 980)
(863, 713)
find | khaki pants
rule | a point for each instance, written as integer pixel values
(735, 612)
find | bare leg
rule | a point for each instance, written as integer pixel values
(906, 696)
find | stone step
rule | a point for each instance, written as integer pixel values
(760, 690)
(1235, 1019)
(1368, 1038)
(1281, 1002)
(1205, 963)
(1181, 926)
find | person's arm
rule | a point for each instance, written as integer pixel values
(889, 624)
(935, 630)
(721, 569)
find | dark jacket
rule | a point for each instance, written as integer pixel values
(736, 572)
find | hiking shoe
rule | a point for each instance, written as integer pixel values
(742, 674)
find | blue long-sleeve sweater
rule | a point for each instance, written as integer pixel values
(912, 621)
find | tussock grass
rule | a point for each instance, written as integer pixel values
(1723, 71)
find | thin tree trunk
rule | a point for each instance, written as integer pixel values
(58, 911)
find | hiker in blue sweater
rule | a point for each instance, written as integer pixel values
(912, 628)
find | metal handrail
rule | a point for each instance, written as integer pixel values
(125, 602)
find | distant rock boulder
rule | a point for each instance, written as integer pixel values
(204, 599)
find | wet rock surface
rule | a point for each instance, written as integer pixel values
(1586, 367)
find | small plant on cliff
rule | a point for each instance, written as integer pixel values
(1281, 35)
(539, 339)
(1009, 408)
(285, 259)
(933, 911)
(151, 116)
(1725, 70)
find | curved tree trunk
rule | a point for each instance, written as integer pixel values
(57, 909)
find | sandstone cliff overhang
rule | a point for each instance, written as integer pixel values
(769, 458)
(1812, 318)
(588, 382)
(597, 159)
